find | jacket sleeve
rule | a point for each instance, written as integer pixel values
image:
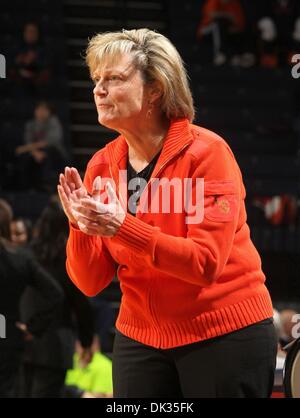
(89, 264)
(49, 290)
(198, 258)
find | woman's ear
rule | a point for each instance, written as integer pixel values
(155, 92)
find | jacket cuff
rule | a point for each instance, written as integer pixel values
(79, 241)
(136, 234)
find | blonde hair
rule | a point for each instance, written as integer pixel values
(157, 59)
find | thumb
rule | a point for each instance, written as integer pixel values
(96, 188)
(112, 197)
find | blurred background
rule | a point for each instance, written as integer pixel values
(238, 54)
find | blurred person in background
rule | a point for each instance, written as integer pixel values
(19, 269)
(289, 319)
(223, 21)
(280, 358)
(20, 230)
(30, 68)
(104, 320)
(47, 359)
(44, 152)
(92, 380)
(279, 31)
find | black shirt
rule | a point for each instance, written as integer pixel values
(19, 269)
(137, 181)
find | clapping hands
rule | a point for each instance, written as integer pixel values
(87, 212)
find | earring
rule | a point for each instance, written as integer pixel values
(149, 111)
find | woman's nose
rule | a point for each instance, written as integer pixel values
(99, 89)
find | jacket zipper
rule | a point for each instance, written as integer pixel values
(150, 299)
(150, 304)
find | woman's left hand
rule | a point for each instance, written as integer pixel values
(97, 218)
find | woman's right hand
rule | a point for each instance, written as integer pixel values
(70, 190)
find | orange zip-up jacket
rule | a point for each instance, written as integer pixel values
(181, 282)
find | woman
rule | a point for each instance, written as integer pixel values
(195, 318)
(48, 358)
(18, 269)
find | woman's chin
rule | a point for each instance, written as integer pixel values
(107, 122)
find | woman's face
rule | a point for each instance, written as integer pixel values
(120, 94)
(42, 113)
(31, 33)
(18, 232)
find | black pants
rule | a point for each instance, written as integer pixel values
(10, 360)
(237, 365)
(41, 382)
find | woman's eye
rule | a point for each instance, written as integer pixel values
(110, 78)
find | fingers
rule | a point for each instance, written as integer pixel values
(69, 178)
(95, 206)
(63, 197)
(76, 178)
(96, 188)
(112, 197)
(99, 231)
(65, 204)
(67, 196)
(91, 216)
(71, 182)
(87, 213)
(73, 178)
(64, 184)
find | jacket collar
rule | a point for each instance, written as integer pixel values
(178, 137)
